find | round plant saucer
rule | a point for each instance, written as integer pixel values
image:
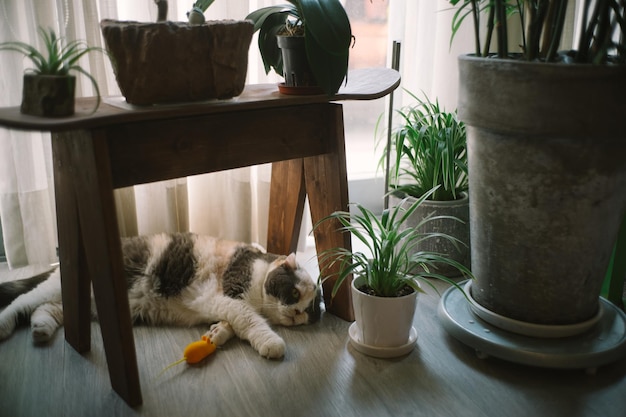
(601, 344)
(299, 90)
(530, 329)
(381, 352)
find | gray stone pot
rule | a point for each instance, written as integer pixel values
(48, 95)
(547, 184)
(459, 230)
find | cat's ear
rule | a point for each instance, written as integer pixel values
(291, 261)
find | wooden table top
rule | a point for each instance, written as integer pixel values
(363, 84)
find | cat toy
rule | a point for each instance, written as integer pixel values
(195, 352)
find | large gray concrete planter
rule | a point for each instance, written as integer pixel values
(175, 62)
(547, 184)
(458, 229)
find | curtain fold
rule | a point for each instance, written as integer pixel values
(232, 204)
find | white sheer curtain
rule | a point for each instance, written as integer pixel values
(428, 61)
(231, 204)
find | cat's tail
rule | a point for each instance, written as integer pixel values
(10, 290)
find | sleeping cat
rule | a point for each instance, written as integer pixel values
(187, 280)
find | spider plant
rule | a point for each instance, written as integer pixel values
(58, 58)
(602, 36)
(430, 152)
(389, 264)
(327, 36)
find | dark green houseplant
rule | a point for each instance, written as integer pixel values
(545, 155)
(327, 34)
(428, 151)
(601, 37)
(387, 274)
(49, 88)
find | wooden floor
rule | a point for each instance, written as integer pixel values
(321, 375)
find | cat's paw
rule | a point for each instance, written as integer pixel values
(42, 331)
(220, 333)
(271, 347)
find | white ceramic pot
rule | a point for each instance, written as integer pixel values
(384, 322)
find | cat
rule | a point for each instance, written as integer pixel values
(187, 279)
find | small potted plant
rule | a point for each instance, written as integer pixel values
(49, 88)
(428, 149)
(387, 275)
(306, 42)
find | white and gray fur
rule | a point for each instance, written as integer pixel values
(187, 280)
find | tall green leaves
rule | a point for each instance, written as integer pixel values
(429, 150)
(602, 36)
(389, 262)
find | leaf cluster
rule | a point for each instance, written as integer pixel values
(430, 152)
(602, 37)
(390, 261)
(58, 56)
(327, 36)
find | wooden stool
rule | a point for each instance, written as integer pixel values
(121, 145)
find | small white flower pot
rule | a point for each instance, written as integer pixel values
(383, 322)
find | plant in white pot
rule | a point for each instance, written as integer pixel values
(428, 150)
(387, 276)
(546, 146)
(49, 88)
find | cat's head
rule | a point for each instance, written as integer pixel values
(291, 295)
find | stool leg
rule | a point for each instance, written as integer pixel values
(76, 288)
(99, 229)
(326, 182)
(287, 197)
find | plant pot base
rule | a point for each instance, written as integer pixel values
(604, 343)
(381, 352)
(531, 329)
(299, 90)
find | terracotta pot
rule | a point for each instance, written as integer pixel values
(383, 321)
(547, 184)
(175, 62)
(457, 229)
(48, 95)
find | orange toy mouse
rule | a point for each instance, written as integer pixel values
(195, 352)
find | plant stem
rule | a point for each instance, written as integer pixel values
(162, 10)
(503, 48)
(522, 18)
(476, 14)
(490, 27)
(556, 24)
